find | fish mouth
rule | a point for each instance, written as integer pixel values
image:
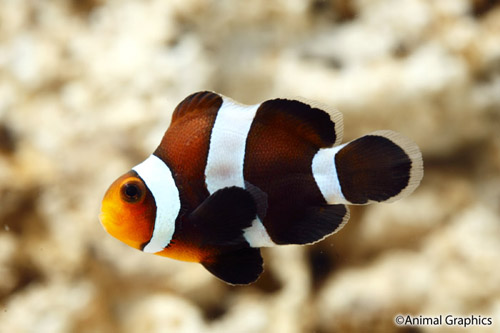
(102, 217)
(105, 218)
(108, 218)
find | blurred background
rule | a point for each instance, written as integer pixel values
(87, 88)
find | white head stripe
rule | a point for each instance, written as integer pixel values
(325, 174)
(159, 180)
(226, 157)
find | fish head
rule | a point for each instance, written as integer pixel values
(128, 210)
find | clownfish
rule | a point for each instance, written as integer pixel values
(228, 179)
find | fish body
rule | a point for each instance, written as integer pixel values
(228, 179)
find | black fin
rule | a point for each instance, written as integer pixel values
(320, 128)
(381, 166)
(222, 217)
(242, 266)
(260, 197)
(317, 223)
(203, 101)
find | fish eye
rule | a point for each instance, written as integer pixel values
(132, 191)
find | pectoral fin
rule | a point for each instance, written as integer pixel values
(221, 218)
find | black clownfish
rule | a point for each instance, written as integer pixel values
(229, 178)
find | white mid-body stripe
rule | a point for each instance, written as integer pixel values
(325, 174)
(226, 156)
(226, 153)
(256, 235)
(159, 180)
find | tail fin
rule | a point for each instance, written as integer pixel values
(381, 166)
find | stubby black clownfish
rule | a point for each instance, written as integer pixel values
(229, 178)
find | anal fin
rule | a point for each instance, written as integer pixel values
(242, 266)
(314, 225)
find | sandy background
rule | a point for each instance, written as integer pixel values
(86, 91)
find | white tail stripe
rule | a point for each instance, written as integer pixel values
(325, 174)
(159, 180)
(226, 156)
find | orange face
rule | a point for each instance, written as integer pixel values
(128, 211)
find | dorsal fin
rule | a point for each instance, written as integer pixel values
(304, 119)
(203, 101)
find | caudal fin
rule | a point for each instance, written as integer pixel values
(381, 166)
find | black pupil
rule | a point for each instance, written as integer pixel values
(132, 191)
